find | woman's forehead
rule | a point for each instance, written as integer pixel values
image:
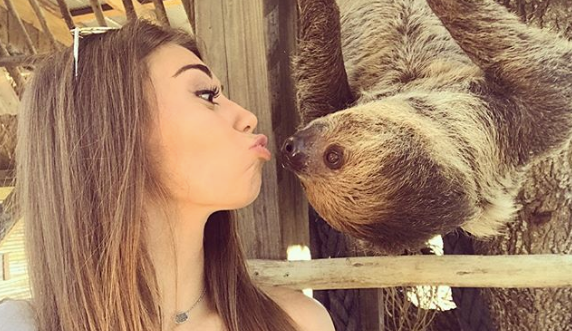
(169, 58)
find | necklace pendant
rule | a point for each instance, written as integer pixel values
(181, 317)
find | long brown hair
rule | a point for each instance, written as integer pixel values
(82, 176)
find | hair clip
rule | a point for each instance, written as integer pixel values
(85, 31)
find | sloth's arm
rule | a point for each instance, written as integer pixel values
(499, 43)
(528, 70)
(321, 80)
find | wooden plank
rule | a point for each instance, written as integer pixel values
(249, 86)
(55, 24)
(43, 22)
(129, 10)
(281, 18)
(9, 100)
(140, 10)
(5, 191)
(52, 7)
(121, 12)
(91, 16)
(18, 285)
(19, 60)
(210, 35)
(12, 35)
(189, 7)
(28, 41)
(118, 5)
(5, 266)
(65, 14)
(15, 288)
(98, 12)
(15, 235)
(514, 271)
(161, 12)
(243, 43)
(13, 71)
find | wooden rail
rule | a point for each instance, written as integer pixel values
(43, 22)
(98, 12)
(20, 25)
(452, 270)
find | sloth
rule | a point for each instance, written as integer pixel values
(422, 116)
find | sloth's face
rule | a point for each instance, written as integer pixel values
(374, 178)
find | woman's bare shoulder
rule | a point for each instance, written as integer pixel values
(308, 313)
(16, 315)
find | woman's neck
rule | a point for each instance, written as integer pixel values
(175, 245)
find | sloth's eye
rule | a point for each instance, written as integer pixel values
(334, 157)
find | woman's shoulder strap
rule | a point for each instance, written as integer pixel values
(16, 315)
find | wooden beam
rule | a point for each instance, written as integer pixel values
(55, 24)
(51, 7)
(9, 102)
(91, 16)
(514, 271)
(161, 12)
(5, 257)
(129, 10)
(8, 128)
(20, 24)
(96, 7)
(140, 10)
(20, 60)
(64, 10)
(9, 215)
(43, 22)
(119, 5)
(189, 6)
(5, 191)
(13, 71)
(80, 18)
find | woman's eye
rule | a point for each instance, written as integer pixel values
(209, 95)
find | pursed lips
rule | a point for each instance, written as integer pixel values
(259, 146)
(261, 140)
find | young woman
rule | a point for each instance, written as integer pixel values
(130, 162)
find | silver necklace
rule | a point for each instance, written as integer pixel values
(184, 316)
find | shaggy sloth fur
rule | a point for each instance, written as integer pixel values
(422, 116)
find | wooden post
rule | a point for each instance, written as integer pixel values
(5, 266)
(189, 6)
(96, 7)
(133, 9)
(129, 10)
(161, 12)
(57, 26)
(66, 14)
(15, 14)
(246, 56)
(42, 18)
(13, 71)
(20, 60)
(281, 23)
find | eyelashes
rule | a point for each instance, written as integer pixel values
(210, 94)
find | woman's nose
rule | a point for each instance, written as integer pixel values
(247, 121)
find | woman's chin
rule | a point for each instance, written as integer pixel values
(252, 197)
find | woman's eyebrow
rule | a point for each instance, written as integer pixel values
(200, 67)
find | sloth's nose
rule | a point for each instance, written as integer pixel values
(293, 152)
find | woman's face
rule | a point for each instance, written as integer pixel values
(204, 143)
